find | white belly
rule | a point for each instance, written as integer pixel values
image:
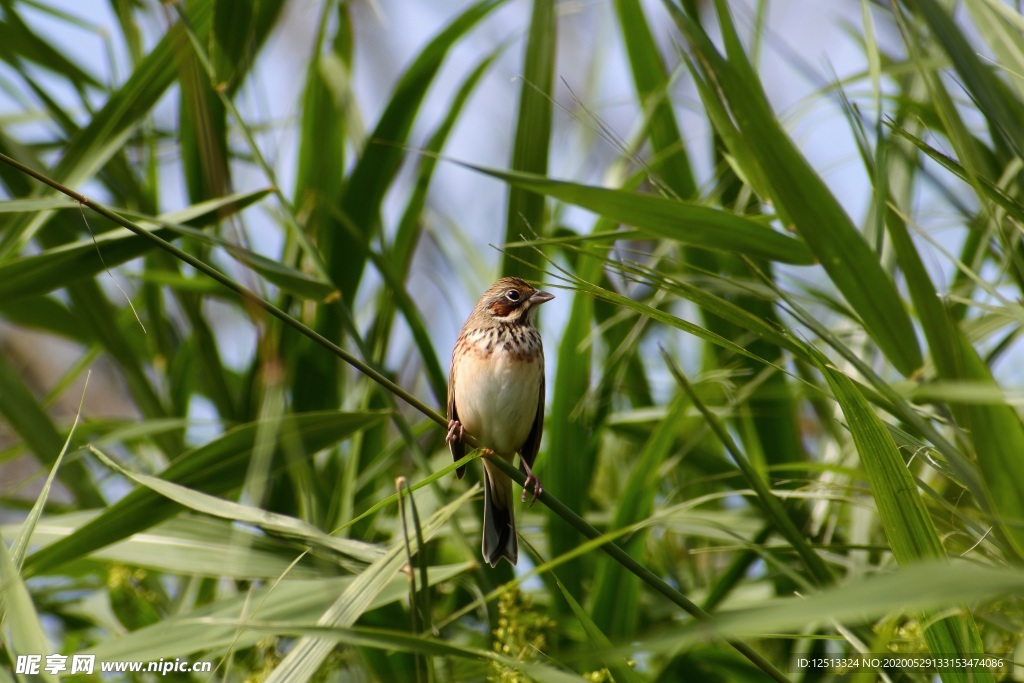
(496, 398)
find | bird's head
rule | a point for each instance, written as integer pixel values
(511, 300)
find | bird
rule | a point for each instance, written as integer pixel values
(496, 395)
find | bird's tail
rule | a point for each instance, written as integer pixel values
(499, 518)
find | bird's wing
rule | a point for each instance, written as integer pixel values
(458, 448)
(528, 452)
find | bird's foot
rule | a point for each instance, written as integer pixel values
(531, 480)
(455, 431)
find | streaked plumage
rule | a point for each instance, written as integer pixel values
(496, 394)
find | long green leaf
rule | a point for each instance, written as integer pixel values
(32, 276)
(19, 614)
(40, 435)
(217, 467)
(380, 160)
(188, 545)
(685, 222)
(908, 527)
(124, 111)
(919, 587)
(994, 426)
(268, 521)
(616, 592)
(525, 210)
(222, 624)
(994, 102)
(816, 214)
(670, 165)
(309, 652)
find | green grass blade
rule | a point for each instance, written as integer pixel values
(921, 587)
(380, 160)
(661, 316)
(573, 425)
(216, 467)
(270, 522)
(239, 37)
(46, 314)
(525, 212)
(320, 166)
(309, 652)
(616, 592)
(670, 165)
(409, 227)
(124, 111)
(226, 622)
(645, 574)
(22, 43)
(816, 214)
(994, 427)
(395, 263)
(774, 511)
(621, 668)
(20, 546)
(685, 222)
(21, 620)
(203, 130)
(193, 545)
(40, 204)
(1001, 111)
(30, 422)
(908, 527)
(31, 276)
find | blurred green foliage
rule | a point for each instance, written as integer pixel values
(786, 418)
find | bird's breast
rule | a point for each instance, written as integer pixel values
(497, 386)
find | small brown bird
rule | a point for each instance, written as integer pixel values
(496, 394)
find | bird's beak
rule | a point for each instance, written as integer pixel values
(541, 297)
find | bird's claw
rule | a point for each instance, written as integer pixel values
(531, 481)
(537, 489)
(455, 431)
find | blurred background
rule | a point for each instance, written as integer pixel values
(783, 359)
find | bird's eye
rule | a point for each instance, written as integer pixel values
(512, 295)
